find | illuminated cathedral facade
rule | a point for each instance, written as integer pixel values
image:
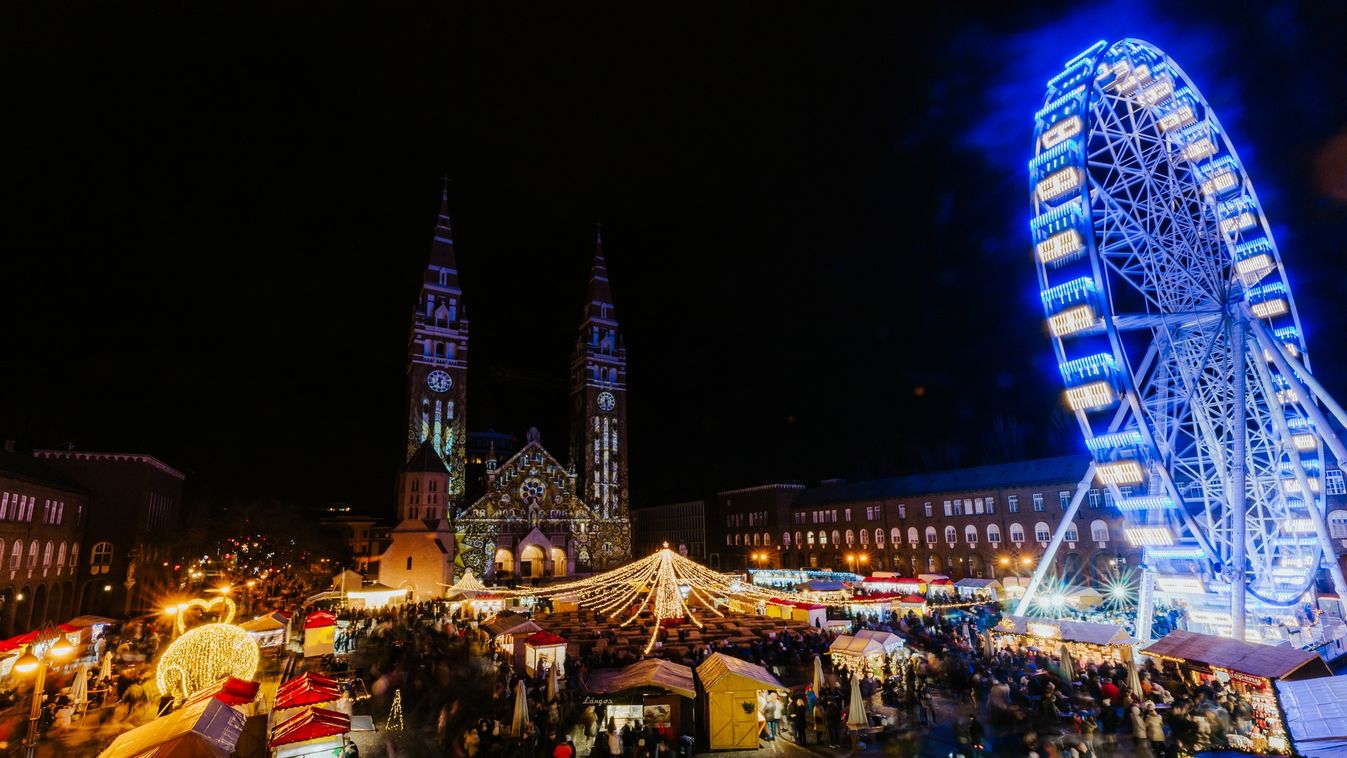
(536, 517)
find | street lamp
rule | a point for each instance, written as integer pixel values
(60, 650)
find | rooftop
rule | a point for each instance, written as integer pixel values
(1069, 468)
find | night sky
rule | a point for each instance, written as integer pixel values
(215, 220)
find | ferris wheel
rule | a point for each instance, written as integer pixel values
(1178, 341)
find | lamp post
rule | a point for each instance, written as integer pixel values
(29, 662)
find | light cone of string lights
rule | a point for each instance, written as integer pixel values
(202, 655)
(395, 723)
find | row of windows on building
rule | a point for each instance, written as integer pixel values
(756, 518)
(1042, 532)
(972, 506)
(19, 507)
(52, 551)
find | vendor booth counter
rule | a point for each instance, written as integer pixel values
(733, 692)
(655, 692)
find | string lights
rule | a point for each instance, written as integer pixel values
(395, 723)
(202, 655)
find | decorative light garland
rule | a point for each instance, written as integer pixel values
(394, 723)
(202, 655)
(206, 606)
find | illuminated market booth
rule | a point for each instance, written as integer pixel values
(868, 652)
(207, 728)
(311, 732)
(655, 692)
(1085, 641)
(734, 693)
(971, 589)
(891, 583)
(1249, 670)
(320, 634)
(376, 595)
(505, 627)
(307, 689)
(540, 650)
(268, 630)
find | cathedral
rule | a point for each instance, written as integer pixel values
(535, 517)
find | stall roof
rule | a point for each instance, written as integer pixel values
(509, 622)
(308, 692)
(207, 729)
(652, 672)
(821, 585)
(889, 640)
(544, 639)
(977, 583)
(1267, 661)
(718, 666)
(1071, 631)
(845, 644)
(1316, 715)
(87, 621)
(319, 619)
(229, 691)
(311, 724)
(267, 623)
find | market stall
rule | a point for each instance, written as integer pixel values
(303, 691)
(540, 650)
(237, 693)
(207, 728)
(654, 691)
(320, 634)
(940, 589)
(376, 595)
(733, 692)
(313, 731)
(1085, 641)
(812, 614)
(914, 603)
(1248, 670)
(268, 630)
(1082, 598)
(868, 652)
(979, 589)
(505, 626)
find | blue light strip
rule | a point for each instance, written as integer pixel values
(1045, 225)
(1253, 247)
(1146, 503)
(1175, 552)
(1065, 153)
(1311, 466)
(1089, 368)
(1075, 291)
(1090, 51)
(1115, 441)
(1063, 105)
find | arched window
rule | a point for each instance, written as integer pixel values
(785, 540)
(851, 538)
(766, 539)
(729, 540)
(46, 554)
(837, 539)
(930, 535)
(1071, 534)
(1099, 530)
(811, 539)
(951, 535)
(1337, 524)
(757, 540)
(896, 536)
(970, 534)
(74, 555)
(879, 538)
(16, 555)
(912, 535)
(1042, 532)
(32, 554)
(994, 534)
(865, 536)
(798, 543)
(60, 555)
(1016, 533)
(737, 538)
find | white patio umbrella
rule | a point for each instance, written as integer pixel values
(79, 689)
(1133, 679)
(521, 710)
(818, 675)
(1068, 666)
(856, 718)
(988, 649)
(106, 671)
(552, 688)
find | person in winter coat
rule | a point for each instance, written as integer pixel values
(614, 743)
(1138, 725)
(1155, 731)
(798, 718)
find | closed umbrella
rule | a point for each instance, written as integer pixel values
(856, 708)
(1133, 679)
(79, 689)
(521, 710)
(1068, 666)
(552, 683)
(106, 672)
(988, 649)
(818, 675)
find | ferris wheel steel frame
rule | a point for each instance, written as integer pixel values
(1178, 340)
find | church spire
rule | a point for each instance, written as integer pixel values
(442, 258)
(599, 305)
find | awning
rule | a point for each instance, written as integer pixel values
(978, 584)
(1266, 661)
(207, 729)
(320, 619)
(268, 623)
(230, 691)
(888, 640)
(653, 672)
(311, 724)
(543, 639)
(308, 692)
(1066, 631)
(309, 678)
(719, 668)
(1316, 715)
(83, 622)
(845, 644)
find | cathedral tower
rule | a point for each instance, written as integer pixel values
(437, 360)
(599, 412)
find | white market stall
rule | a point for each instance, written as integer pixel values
(540, 650)
(505, 626)
(868, 652)
(978, 589)
(376, 595)
(268, 630)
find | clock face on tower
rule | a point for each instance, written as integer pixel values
(606, 401)
(439, 381)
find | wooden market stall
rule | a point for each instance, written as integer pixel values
(655, 692)
(505, 626)
(1249, 670)
(539, 650)
(731, 692)
(268, 630)
(1084, 640)
(313, 731)
(320, 634)
(208, 728)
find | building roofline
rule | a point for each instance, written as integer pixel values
(762, 488)
(88, 455)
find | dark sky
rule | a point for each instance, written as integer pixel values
(815, 219)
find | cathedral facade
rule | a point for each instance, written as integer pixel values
(536, 517)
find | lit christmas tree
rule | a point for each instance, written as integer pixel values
(395, 714)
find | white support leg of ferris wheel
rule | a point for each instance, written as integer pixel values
(1046, 561)
(1277, 351)
(1238, 493)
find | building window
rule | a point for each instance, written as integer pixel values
(846, 514)
(837, 539)
(1064, 497)
(879, 538)
(978, 505)
(1038, 502)
(1013, 503)
(912, 535)
(951, 535)
(16, 555)
(851, 538)
(798, 543)
(902, 511)
(927, 506)
(994, 534)
(100, 558)
(949, 508)
(958, 507)
(1071, 534)
(1099, 530)
(1095, 500)
(1334, 484)
(1337, 524)
(1041, 532)
(970, 534)
(47, 553)
(1016, 533)
(409, 563)
(32, 555)
(930, 535)
(785, 540)
(991, 505)
(811, 539)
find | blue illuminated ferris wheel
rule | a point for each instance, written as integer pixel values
(1178, 342)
